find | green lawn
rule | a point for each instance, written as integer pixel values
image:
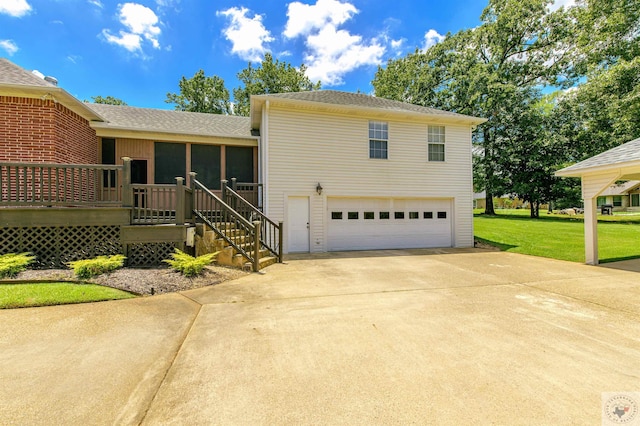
(559, 236)
(44, 294)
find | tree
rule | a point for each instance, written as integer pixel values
(602, 112)
(110, 100)
(271, 76)
(493, 71)
(201, 94)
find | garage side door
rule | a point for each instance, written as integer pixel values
(388, 223)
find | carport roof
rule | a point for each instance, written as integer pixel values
(623, 156)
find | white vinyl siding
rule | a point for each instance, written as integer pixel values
(307, 147)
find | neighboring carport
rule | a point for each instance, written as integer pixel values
(597, 174)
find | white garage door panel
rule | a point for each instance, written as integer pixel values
(377, 233)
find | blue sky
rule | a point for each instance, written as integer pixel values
(139, 50)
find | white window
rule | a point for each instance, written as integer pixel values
(378, 139)
(435, 143)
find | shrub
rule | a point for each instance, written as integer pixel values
(88, 268)
(12, 264)
(187, 265)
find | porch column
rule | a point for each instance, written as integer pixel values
(592, 186)
(591, 231)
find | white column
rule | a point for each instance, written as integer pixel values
(591, 231)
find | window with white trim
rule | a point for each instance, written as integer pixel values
(378, 139)
(435, 143)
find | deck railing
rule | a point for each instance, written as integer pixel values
(271, 232)
(99, 185)
(252, 192)
(48, 184)
(238, 232)
(158, 204)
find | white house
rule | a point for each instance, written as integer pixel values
(348, 171)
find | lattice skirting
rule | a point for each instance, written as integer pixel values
(149, 254)
(55, 246)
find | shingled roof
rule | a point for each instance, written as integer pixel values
(10, 73)
(625, 153)
(168, 121)
(359, 100)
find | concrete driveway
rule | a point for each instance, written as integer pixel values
(387, 337)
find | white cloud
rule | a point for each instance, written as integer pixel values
(74, 58)
(305, 18)
(557, 4)
(15, 8)
(247, 35)
(431, 38)
(398, 45)
(333, 53)
(140, 23)
(330, 52)
(131, 42)
(167, 3)
(96, 3)
(9, 46)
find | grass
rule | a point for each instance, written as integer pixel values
(46, 294)
(559, 236)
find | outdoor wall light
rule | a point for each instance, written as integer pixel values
(319, 189)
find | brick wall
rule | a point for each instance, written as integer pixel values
(37, 130)
(75, 141)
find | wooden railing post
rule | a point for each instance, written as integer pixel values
(223, 185)
(180, 201)
(127, 191)
(234, 184)
(256, 246)
(192, 186)
(280, 226)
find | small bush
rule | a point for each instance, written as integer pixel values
(187, 265)
(88, 268)
(12, 264)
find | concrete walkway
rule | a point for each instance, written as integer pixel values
(388, 337)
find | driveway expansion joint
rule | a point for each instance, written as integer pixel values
(173, 360)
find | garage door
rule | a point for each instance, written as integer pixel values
(388, 223)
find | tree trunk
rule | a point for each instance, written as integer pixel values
(489, 205)
(535, 209)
